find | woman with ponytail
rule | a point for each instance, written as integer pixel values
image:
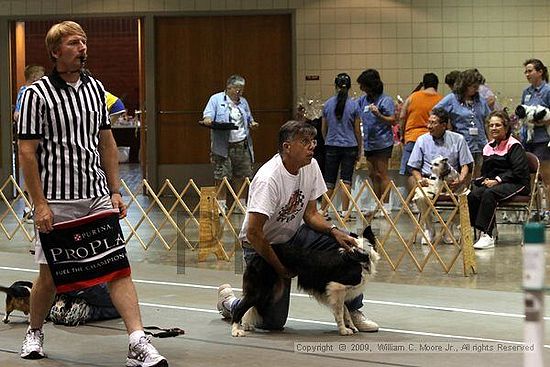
(342, 133)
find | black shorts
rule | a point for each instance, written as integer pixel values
(339, 159)
(379, 153)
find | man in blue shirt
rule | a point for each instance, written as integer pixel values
(438, 142)
(231, 149)
(32, 74)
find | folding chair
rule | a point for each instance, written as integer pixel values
(525, 203)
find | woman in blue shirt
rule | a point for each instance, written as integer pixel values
(378, 116)
(467, 112)
(342, 134)
(538, 93)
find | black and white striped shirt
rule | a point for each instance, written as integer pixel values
(67, 121)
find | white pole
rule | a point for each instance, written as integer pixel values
(533, 285)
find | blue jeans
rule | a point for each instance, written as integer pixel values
(407, 150)
(275, 316)
(99, 300)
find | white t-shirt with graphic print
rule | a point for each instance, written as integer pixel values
(282, 197)
(237, 118)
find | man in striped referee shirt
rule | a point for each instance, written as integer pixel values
(70, 162)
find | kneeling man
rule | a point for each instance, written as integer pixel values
(284, 192)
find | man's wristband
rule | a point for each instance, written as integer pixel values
(332, 227)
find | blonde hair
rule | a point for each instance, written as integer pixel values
(58, 31)
(33, 73)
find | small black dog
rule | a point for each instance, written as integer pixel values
(332, 276)
(18, 298)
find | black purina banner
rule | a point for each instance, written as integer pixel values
(86, 251)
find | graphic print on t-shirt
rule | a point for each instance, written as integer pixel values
(294, 206)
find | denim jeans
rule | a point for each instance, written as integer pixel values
(99, 300)
(407, 150)
(275, 316)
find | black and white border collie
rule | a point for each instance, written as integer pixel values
(331, 276)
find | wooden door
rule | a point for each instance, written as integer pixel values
(195, 55)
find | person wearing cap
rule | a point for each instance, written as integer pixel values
(231, 150)
(341, 129)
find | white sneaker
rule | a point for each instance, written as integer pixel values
(367, 213)
(343, 213)
(144, 354)
(447, 238)
(485, 241)
(363, 323)
(380, 214)
(32, 345)
(225, 294)
(28, 215)
(222, 208)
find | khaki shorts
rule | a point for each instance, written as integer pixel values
(238, 163)
(70, 209)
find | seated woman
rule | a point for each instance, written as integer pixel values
(504, 173)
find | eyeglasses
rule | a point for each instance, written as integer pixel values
(236, 88)
(309, 142)
(433, 123)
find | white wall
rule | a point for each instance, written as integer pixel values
(402, 39)
(405, 39)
